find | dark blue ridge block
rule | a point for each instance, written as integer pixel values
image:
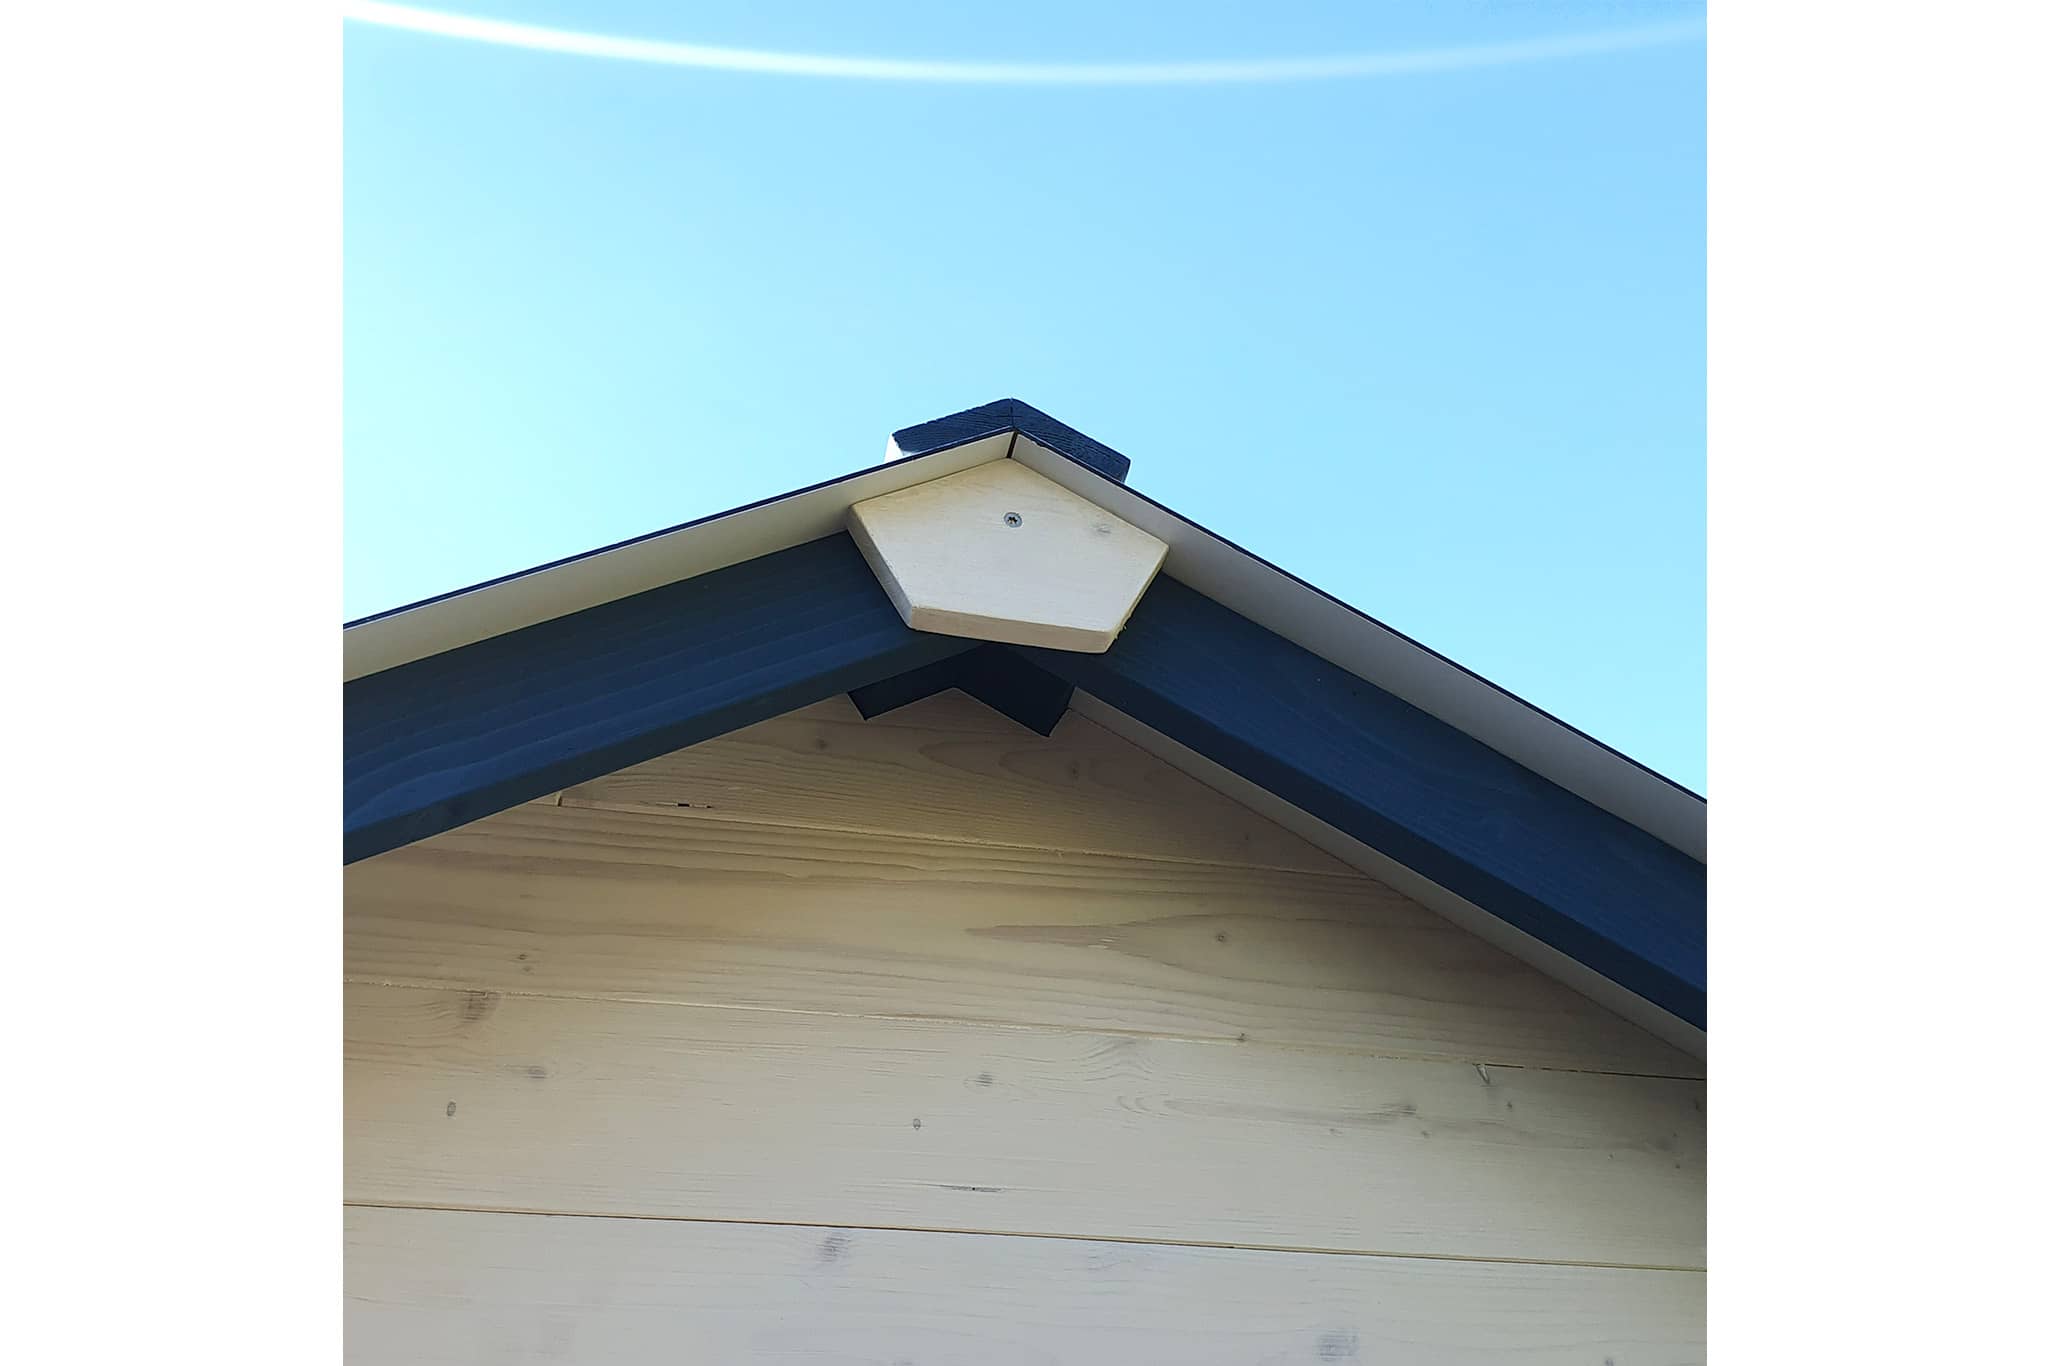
(1420, 791)
(1003, 680)
(449, 739)
(1012, 415)
(993, 675)
(905, 688)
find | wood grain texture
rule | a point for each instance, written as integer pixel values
(1425, 794)
(1000, 552)
(1538, 955)
(439, 1286)
(561, 1105)
(948, 767)
(642, 905)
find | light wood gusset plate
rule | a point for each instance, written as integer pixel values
(1000, 552)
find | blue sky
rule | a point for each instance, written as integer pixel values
(1434, 342)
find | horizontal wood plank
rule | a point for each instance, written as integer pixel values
(472, 1099)
(630, 904)
(438, 1286)
(950, 768)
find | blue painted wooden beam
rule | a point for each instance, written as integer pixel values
(1002, 680)
(1012, 415)
(878, 699)
(450, 739)
(1418, 790)
(992, 675)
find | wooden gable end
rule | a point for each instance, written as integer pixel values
(924, 1035)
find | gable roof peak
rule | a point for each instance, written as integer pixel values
(1016, 416)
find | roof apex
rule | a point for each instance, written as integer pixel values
(1010, 415)
(1329, 722)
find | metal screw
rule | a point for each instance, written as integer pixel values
(1012, 519)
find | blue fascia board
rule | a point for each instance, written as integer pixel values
(449, 739)
(1418, 790)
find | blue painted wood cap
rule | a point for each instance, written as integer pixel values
(1012, 415)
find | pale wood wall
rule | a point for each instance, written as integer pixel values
(924, 1039)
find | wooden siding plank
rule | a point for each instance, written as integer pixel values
(437, 1286)
(949, 767)
(576, 1106)
(630, 904)
(441, 741)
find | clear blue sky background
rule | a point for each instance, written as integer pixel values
(1436, 343)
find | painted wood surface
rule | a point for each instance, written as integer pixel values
(1542, 957)
(437, 1286)
(1004, 417)
(992, 675)
(431, 745)
(948, 767)
(643, 904)
(1000, 552)
(472, 1099)
(703, 545)
(1370, 649)
(436, 743)
(1432, 798)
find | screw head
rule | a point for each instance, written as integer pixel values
(1012, 519)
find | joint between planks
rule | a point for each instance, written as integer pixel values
(951, 1231)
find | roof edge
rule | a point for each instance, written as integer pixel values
(527, 597)
(1010, 428)
(1361, 644)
